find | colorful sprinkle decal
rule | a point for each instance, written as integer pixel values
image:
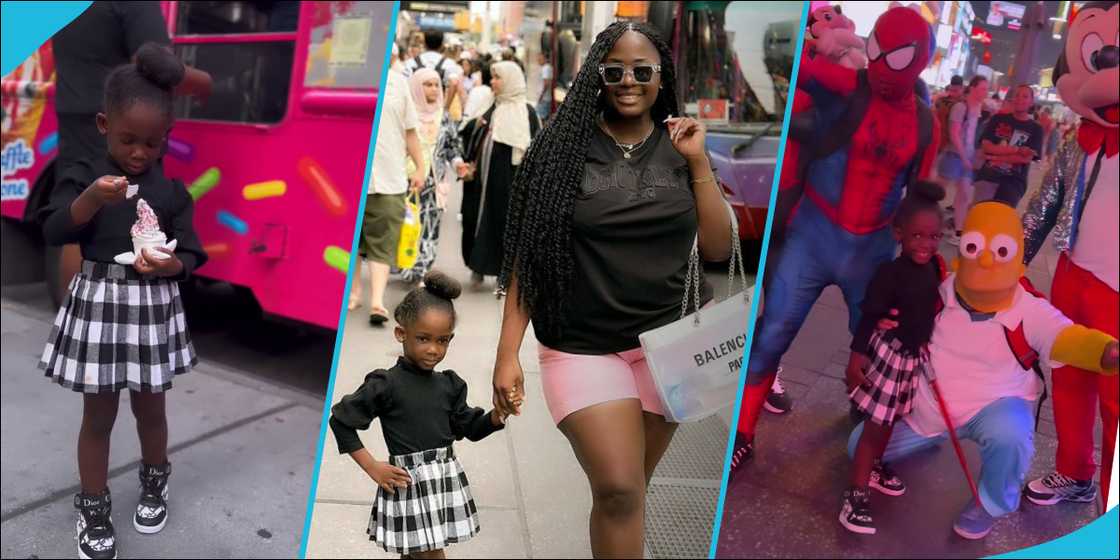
(337, 258)
(180, 150)
(316, 178)
(49, 144)
(233, 222)
(267, 189)
(205, 183)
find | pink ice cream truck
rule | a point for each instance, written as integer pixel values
(274, 158)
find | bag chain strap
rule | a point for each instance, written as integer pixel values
(692, 278)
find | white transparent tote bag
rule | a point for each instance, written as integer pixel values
(695, 360)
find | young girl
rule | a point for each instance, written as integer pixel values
(423, 501)
(123, 326)
(883, 366)
(439, 141)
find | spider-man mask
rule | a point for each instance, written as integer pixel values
(898, 50)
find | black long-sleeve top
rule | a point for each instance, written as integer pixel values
(910, 288)
(108, 233)
(419, 410)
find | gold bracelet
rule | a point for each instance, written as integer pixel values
(708, 179)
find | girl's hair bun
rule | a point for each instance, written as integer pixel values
(442, 286)
(928, 191)
(157, 64)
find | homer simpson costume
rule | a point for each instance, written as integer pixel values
(988, 392)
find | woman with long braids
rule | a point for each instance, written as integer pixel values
(495, 144)
(606, 207)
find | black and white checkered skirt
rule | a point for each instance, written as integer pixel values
(891, 380)
(435, 510)
(118, 329)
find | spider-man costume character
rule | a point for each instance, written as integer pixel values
(871, 134)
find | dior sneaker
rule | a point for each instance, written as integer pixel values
(151, 512)
(885, 480)
(1056, 487)
(855, 511)
(96, 538)
(778, 401)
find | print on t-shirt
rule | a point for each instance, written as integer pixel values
(639, 184)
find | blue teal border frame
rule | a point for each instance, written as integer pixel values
(26, 25)
(349, 278)
(718, 522)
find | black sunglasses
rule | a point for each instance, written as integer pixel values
(613, 74)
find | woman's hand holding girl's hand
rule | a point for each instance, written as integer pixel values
(108, 189)
(888, 323)
(509, 384)
(687, 135)
(388, 477)
(148, 263)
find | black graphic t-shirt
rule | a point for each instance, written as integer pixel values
(633, 227)
(1006, 130)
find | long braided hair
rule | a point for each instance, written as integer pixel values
(538, 248)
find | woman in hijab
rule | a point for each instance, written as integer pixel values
(495, 143)
(439, 142)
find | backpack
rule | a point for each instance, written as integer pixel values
(438, 67)
(943, 108)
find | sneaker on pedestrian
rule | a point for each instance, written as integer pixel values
(741, 453)
(151, 511)
(1057, 487)
(778, 401)
(884, 479)
(855, 511)
(96, 538)
(974, 522)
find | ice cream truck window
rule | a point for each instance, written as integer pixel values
(248, 48)
(347, 46)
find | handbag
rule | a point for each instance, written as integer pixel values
(695, 361)
(408, 250)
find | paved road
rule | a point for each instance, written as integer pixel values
(242, 445)
(532, 495)
(786, 503)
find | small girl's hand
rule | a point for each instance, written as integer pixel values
(148, 263)
(389, 477)
(108, 189)
(854, 374)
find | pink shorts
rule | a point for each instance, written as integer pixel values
(574, 382)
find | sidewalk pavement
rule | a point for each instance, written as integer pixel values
(242, 451)
(787, 501)
(532, 496)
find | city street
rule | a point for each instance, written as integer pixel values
(532, 495)
(243, 425)
(786, 502)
